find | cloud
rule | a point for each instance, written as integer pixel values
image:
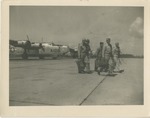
(136, 28)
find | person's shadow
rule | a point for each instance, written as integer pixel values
(112, 74)
(120, 71)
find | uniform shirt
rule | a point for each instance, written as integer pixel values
(99, 52)
(108, 49)
(88, 49)
(116, 52)
(81, 50)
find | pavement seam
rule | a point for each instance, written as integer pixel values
(92, 91)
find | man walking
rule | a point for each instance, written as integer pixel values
(108, 56)
(87, 58)
(100, 62)
(116, 55)
(81, 57)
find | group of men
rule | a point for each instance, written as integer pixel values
(107, 57)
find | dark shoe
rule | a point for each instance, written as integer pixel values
(121, 71)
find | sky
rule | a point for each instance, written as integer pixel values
(68, 25)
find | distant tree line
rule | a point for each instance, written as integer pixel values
(131, 56)
(124, 56)
(74, 54)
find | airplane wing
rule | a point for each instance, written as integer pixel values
(23, 44)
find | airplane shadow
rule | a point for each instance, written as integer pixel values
(106, 74)
(111, 75)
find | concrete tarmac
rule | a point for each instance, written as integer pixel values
(57, 82)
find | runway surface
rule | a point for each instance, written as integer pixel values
(57, 82)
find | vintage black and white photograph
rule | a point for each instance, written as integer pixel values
(76, 55)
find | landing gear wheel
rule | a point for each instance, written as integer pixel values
(24, 56)
(55, 57)
(41, 57)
